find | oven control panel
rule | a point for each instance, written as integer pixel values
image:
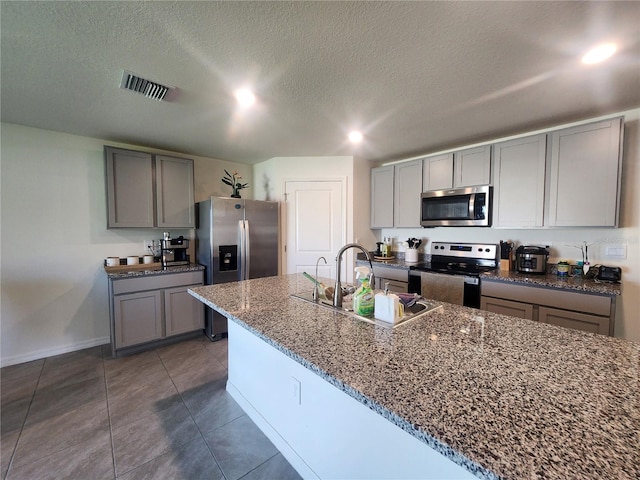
(465, 250)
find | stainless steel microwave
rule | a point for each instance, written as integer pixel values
(459, 207)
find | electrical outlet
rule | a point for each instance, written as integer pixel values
(148, 246)
(296, 394)
(615, 251)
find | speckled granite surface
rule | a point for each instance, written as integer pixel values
(193, 267)
(510, 399)
(551, 280)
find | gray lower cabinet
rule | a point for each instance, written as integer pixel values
(396, 278)
(149, 310)
(137, 318)
(507, 307)
(182, 314)
(581, 311)
(577, 320)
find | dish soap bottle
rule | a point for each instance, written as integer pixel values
(363, 300)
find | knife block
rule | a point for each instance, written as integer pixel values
(506, 265)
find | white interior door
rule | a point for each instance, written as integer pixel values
(315, 225)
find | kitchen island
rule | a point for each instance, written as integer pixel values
(496, 396)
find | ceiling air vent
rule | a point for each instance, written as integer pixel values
(135, 83)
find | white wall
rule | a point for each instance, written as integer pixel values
(562, 240)
(270, 177)
(54, 239)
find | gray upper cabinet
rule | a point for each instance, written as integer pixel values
(382, 197)
(408, 187)
(145, 190)
(584, 175)
(438, 172)
(175, 194)
(518, 182)
(464, 168)
(130, 197)
(472, 167)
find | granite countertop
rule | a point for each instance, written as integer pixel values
(551, 280)
(508, 398)
(395, 261)
(139, 271)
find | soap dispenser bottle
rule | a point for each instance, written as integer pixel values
(363, 301)
(387, 306)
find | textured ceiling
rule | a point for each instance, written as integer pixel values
(415, 77)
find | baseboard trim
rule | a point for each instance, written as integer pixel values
(49, 352)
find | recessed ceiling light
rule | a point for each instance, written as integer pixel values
(245, 97)
(355, 137)
(599, 54)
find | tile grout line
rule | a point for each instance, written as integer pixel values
(224, 476)
(258, 466)
(33, 395)
(106, 393)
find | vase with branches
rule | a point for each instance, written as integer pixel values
(233, 181)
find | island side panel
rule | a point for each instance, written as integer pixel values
(323, 432)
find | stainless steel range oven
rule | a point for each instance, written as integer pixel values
(464, 260)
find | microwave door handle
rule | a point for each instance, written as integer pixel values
(472, 207)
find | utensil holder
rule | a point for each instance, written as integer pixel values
(411, 255)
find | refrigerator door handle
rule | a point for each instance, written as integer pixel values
(241, 250)
(247, 250)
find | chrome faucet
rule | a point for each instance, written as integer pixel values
(337, 292)
(316, 294)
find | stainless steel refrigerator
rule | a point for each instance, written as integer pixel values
(236, 239)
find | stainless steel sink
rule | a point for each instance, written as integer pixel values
(417, 310)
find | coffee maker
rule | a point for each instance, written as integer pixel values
(173, 251)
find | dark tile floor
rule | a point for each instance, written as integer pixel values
(162, 414)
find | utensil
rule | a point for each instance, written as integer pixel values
(325, 292)
(413, 243)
